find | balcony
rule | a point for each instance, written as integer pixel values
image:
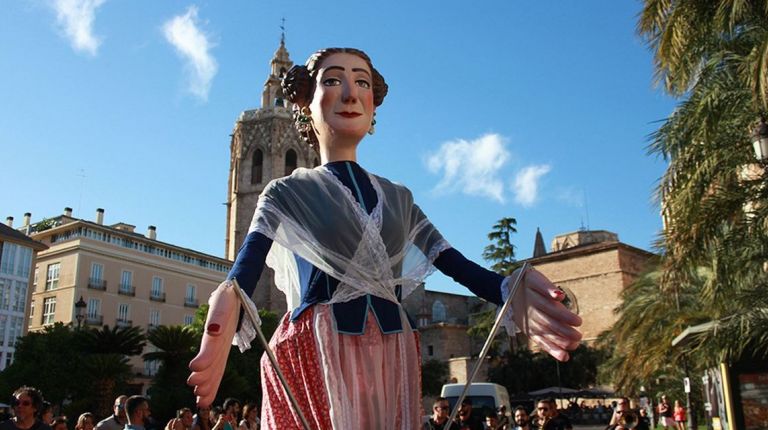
(190, 302)
(157, 297)
(94, 319)
(127, 290)
(123, 323)
(97, 284)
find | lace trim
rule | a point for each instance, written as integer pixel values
(247, 332)
(361, 213)
(508, 319)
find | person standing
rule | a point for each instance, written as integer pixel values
(665, 413)
(118, 419)
(85, 421)
(137, 411)
(679, 415)
(522, 419)
(26, 402)
(441, 411)
(250, 419)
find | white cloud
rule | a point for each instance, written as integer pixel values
(571, 196)
(471, 166)
(193, 46)
(526, 183)
(76, 20)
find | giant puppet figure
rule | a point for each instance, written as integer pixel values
(347, 246)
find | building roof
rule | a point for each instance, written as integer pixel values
(590, 248)
(69, 222)
(11, 235)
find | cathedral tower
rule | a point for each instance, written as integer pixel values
(264, 146)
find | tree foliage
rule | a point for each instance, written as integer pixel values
(713, 55)
(523, 371)
(501, 251)
(434, 374)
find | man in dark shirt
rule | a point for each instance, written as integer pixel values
(441, 411)
(466, 419)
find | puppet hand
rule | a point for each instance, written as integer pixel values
(208, 366)
(537, 311)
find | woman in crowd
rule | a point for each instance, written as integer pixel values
(346, 247)
(250, 419)
(679, 415)
(85, 422)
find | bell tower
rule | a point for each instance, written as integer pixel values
(264, 146)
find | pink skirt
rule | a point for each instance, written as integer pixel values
(366, 381)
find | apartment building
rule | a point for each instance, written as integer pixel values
(17, 257)
(119, 276)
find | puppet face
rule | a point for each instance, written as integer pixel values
(342, 106)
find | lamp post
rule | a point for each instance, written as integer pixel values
(79, 311)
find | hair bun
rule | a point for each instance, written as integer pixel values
(297, 85)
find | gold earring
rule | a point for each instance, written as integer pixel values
(373, 125)
(303, 120)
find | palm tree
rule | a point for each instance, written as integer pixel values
(688, 36)
(116, 340)
(175, 345)
(174, 348)
(107, 373)
(715, 56)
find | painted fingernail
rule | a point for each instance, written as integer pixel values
(213, 327)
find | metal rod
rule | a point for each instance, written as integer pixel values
(254, 318)
(487, 345)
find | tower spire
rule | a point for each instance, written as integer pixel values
(272, 95)
(539, 248)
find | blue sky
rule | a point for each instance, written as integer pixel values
(535, 110)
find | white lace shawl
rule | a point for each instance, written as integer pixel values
(312, 214)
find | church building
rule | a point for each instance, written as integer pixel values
(265, 145)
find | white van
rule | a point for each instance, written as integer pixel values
(485, 396)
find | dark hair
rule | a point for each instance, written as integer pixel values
(438, 401)
(34, 394)
(248, 408)
(181, 411)
(46, 407)
(132, 404)
(521, 408)
(59, 420)
(229, 402)
(299, 84)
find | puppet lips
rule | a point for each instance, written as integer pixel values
(349, 114)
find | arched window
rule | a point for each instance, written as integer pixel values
(290, 162)
(257, 167)
(438, 311)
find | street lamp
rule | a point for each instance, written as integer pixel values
(760, 140)
(79, 311)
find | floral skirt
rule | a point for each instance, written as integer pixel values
(342, 381)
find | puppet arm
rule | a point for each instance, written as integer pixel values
(536, 309)
(222, 321)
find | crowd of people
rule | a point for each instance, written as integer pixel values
(32, 412)
(546, 416)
